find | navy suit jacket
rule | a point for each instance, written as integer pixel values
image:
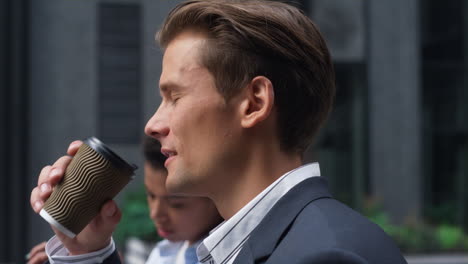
(308, 226)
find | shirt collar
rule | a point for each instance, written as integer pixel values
(226, 240)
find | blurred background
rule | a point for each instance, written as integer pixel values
(395, 147)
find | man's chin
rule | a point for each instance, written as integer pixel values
(178, 185)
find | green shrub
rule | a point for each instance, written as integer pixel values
(450, 237)
(419, 237)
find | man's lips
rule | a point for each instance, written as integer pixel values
(168, 160)
(170, 154)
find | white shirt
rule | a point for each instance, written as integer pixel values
(58, 254)
(225, 242)
(166, 252)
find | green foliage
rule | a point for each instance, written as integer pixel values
(135, 220)
(416, 238)
(450, 236)
(419, 237)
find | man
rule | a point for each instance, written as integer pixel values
(245, 87)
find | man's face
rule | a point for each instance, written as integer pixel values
(197, 128)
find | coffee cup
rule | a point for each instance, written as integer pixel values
(95, 175)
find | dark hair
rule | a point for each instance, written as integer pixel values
(246, 39)
(152, 153)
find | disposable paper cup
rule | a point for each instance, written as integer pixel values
(95, 175)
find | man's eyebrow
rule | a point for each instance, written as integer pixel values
(176, 197)
(168, 87)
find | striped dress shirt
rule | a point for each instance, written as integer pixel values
(225, 242)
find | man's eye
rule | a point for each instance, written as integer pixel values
(177, 205)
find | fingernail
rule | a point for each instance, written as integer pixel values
(37, 205)
(27, 256)
(54, 172)
(110, 210)
(45, 187)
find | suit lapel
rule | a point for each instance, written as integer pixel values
(266, 235)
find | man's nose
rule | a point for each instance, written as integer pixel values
(158, 210)
(157, 126)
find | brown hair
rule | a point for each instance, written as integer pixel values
(152, 153)
(246, 39)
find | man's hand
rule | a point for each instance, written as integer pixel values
(37, 254)
(97, 234)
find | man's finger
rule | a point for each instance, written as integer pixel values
(61, 163)
(74, 146)
(39, 258)
(38, 248)
(58, 169)
(36, 200)
(43, 182)
(44, 174)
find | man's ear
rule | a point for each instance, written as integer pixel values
(258, 101)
